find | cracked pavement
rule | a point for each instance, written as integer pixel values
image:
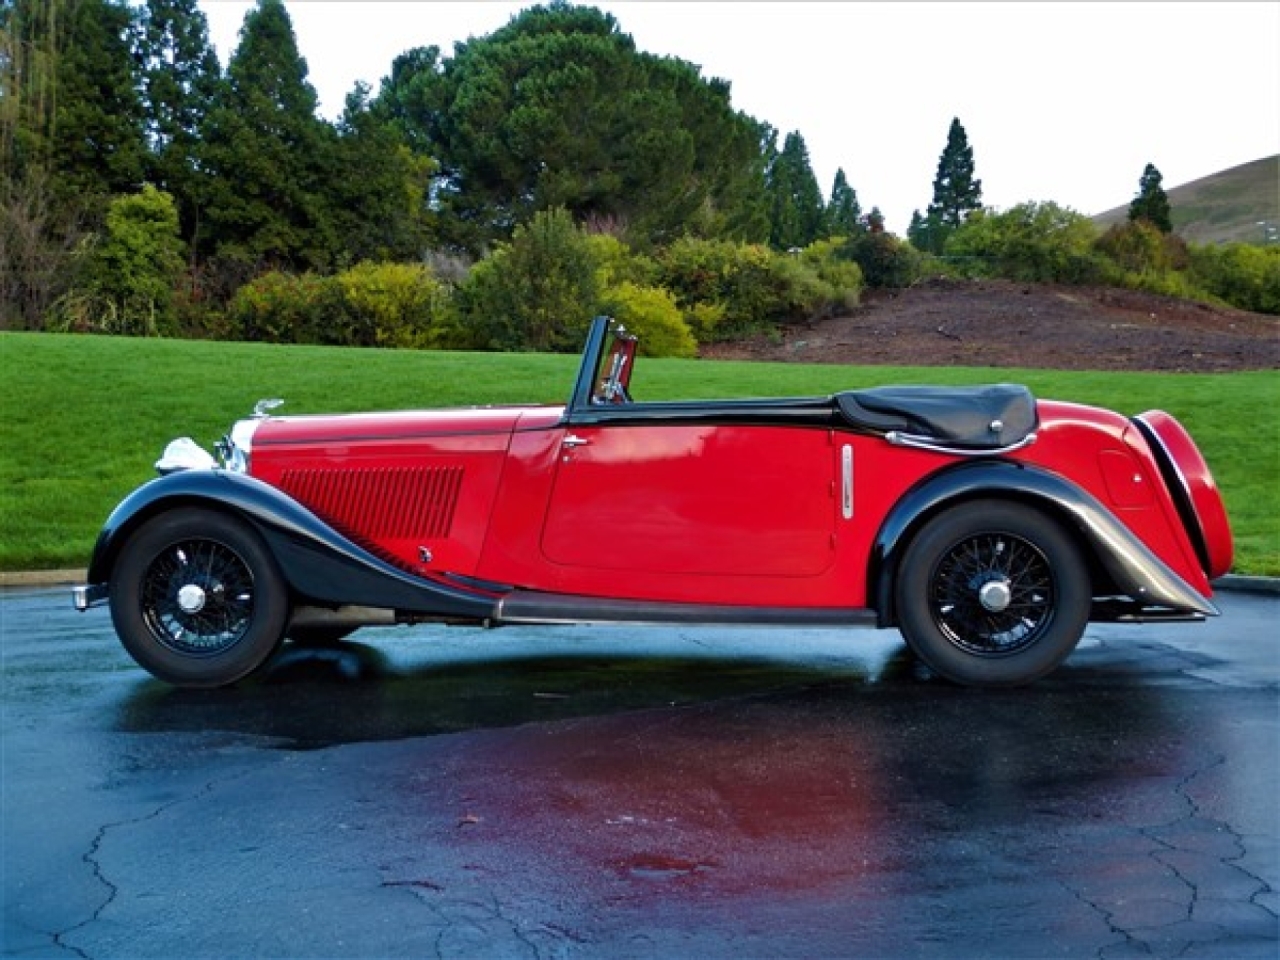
(581, 792)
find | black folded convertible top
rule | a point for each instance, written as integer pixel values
(983, 417)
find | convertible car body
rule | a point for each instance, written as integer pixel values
(986, 525)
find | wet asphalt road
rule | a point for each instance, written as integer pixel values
(590, 792)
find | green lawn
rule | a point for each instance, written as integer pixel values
(84, 418)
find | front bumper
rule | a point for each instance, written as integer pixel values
(88, 596)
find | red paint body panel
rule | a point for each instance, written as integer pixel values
(704, 513)
(395, 483)
(700, 500)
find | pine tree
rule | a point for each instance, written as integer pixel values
(269, 160)
(843, 212)
(1152, 203)
(180, 80)
(956, 192)
(795, 201)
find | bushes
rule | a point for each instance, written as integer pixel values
(1244, 276)
(370, 305)
(884, 260)
(726, 287)
(536, 293)
(130, 272)
(1034, 242)
(652, 315)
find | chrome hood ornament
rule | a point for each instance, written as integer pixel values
(262, 409)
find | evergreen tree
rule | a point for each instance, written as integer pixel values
(180, 80)
(1152, 203)
(69, 100)
(923, 230)
(843, 212)
(559, 109)
(379, 184)
(267, 195)
(956, 192)
(795, 202)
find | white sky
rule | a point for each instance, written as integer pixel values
(1061, 101)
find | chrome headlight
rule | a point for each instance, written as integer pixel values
(184, 454)
(237, 445)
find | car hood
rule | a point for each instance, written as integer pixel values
(400, 425)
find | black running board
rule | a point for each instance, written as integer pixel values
(526, 606)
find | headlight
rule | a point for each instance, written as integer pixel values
(184, 454)
(236, 446)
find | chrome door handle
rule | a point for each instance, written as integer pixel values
(573, 440)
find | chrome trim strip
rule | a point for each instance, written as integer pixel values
(900, 439)
(846, 482)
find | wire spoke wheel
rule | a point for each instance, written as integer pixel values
(992, 594)
(198, 598)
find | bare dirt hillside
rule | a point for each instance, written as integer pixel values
(1005, 324)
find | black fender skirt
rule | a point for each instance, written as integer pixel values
(1130, 564)
(319, 564)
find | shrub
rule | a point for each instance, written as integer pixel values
(726, 287)
(391, 305)
(132, 270)
(1244, 275)
(280, 307)
(704, 319)
(652, 315)
(885, 261)
(840, 273)
(535, 293)
(1029, 242)
(615, 262)
(1139, 247)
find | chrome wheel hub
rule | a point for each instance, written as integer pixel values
(191, 598)
(995, 596)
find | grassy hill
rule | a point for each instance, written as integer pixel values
(1221, 208)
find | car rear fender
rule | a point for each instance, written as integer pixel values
(319, 564)
(1124, 559)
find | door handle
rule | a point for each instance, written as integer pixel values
(573, 440)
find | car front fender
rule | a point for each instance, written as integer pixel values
(318, 563)
(1130, 564)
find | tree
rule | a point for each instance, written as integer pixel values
(69, 97)
(559, 109)
(1152, 203)
(795, 202)
(843, 213)
(956, 192)
(70, 136)
(180, 81)
(268, 158)
(137, 263)
(379, 185)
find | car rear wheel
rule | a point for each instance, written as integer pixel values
(197, 599)
(993, 594)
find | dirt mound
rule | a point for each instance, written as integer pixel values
(1003, 324)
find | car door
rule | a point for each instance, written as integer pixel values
(693, 499)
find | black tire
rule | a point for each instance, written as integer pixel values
(197, 599)
(993, 594)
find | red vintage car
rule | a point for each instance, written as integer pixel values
(988, 526)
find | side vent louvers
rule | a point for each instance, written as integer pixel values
(381, 502)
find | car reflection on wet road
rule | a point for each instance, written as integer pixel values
(642, 792)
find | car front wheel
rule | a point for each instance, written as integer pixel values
(993, 594)
(197, 599)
